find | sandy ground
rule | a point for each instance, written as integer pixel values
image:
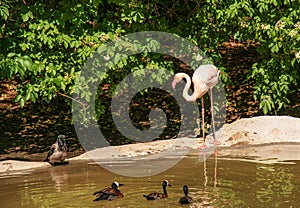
(265, 139)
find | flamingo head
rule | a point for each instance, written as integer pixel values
(178, 77)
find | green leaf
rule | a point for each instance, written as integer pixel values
(275, 48)
(10, 55)
(22, 102)
(63, 86)
(27, 96)
(4, 11)
(32, 97)
(27, 16)
(18, 98)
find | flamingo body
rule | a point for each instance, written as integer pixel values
(204, 78)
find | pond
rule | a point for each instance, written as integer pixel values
(215, 182)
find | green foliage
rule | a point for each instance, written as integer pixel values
(46, 43)
(275, 28)
(4, 10)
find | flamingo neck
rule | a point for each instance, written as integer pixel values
(186, 96)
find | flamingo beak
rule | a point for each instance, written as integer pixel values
(174, 84)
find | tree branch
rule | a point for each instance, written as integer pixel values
(80, 103)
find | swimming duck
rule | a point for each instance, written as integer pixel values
(58, 151)
(109, 193)
(156, 195)
(185, 199)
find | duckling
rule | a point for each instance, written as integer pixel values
(185, 199)
(109, 193)
(156, 195)
(58, 151)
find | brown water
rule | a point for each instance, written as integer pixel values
(214, 183)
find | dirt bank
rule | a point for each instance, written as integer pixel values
(263, 139)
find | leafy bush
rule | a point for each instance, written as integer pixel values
(45, 43)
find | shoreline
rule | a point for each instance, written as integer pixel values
(266, 138)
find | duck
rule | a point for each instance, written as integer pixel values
(58, 151)
(109, 193)
(185, 199)
(156, 195)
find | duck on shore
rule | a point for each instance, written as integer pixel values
(58, 151)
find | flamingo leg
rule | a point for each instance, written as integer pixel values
(203, 131)
(216, 142)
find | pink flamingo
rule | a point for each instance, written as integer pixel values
(205, 77)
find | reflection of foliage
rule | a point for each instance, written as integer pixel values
(277, 184)
(247, 184)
